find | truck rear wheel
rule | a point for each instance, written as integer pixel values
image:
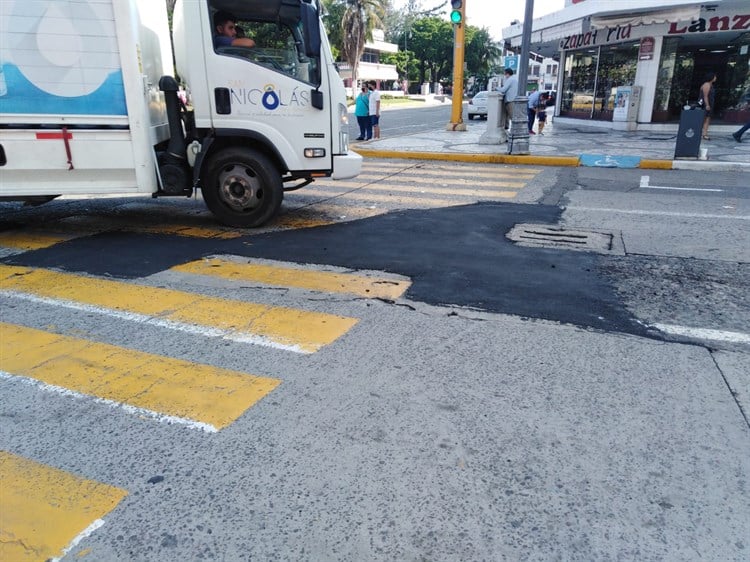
(242, 187)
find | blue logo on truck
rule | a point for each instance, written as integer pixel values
(270, 98)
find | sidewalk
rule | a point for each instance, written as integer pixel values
(566, 144)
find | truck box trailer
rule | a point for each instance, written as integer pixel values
(90, 102)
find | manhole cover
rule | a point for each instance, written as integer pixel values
(546, 236)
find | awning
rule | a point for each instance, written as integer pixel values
(688, 13)
(551, 34)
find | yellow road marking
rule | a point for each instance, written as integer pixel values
(361, 194)
(162, 385)
(283, 327)
(325, 281)
(446, 184)
(448, 174)
(289, 221)
(182, 230)
(43, 509)
(27, 241)
(472, 169)
(449, 189)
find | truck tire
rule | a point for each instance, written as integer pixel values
(241, 187)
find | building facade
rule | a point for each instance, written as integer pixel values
(370, 67)
(663, 51)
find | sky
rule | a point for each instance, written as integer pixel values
(497, 14)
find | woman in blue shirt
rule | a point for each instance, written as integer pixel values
(362, 112)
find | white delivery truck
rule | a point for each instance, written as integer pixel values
(90, 103)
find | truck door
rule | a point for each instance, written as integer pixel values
(269, 90)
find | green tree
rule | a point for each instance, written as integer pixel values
(359, 19)
(482, 55)
(432, 44)
(333, 14)
(482, 52)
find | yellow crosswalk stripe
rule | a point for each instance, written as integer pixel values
(370, 165)
(363, 194)
(208, 397)
(25, 241)
(285, 328)
(446, 183)
(443, 175)
(277, 275)
(44, 509)
(450, 190)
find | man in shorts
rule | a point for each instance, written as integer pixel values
(541, 113)
(374, 108)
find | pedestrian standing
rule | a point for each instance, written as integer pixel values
(532, 109)
(509, 89)
(741, 131)
(362, 113)
(706, 101)
(375, 109)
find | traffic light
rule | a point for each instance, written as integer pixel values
(457, 15)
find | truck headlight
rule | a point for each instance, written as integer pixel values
(343, 114)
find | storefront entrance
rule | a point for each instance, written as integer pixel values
(683, 68)
(591, 78)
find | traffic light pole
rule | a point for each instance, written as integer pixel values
(459, 33)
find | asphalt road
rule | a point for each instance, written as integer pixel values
(215, 394)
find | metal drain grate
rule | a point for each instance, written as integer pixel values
(546, 236)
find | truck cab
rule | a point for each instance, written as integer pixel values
(265, 118)
(91, 104)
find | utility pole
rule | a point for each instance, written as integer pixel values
(458, 18)
(518, 141)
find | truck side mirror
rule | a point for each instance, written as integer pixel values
(311, 27)
(316, 99)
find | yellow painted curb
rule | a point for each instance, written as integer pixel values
(474, 158)
(656, 164)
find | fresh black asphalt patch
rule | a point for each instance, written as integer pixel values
(455, 256)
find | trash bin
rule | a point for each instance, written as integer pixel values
(689, 134)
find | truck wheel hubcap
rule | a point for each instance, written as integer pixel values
(239, 187)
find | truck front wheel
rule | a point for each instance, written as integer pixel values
(242, 187)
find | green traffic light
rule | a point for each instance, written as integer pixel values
(456, 16)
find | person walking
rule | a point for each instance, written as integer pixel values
(741, 131)
(362, 113)
(509, 89)
(706, 101)
(374, 108)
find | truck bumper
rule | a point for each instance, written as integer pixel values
(346, 166)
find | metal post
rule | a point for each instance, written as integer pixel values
(459, 33)
(518, 142)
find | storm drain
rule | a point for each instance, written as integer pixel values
(546, 236)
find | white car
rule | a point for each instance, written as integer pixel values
(478, 105)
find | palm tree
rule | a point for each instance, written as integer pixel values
(360, 18)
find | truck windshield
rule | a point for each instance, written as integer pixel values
(277, 46)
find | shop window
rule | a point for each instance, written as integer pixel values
(591, 79)
(682, 69)
(579, 83)
(617, 66)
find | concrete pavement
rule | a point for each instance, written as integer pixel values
(566, 142)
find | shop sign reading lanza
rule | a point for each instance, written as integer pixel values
(604, 36)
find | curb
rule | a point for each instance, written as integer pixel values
(562, 161)
(473, 158)
(569, 161)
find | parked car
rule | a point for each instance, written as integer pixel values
(478, 105)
